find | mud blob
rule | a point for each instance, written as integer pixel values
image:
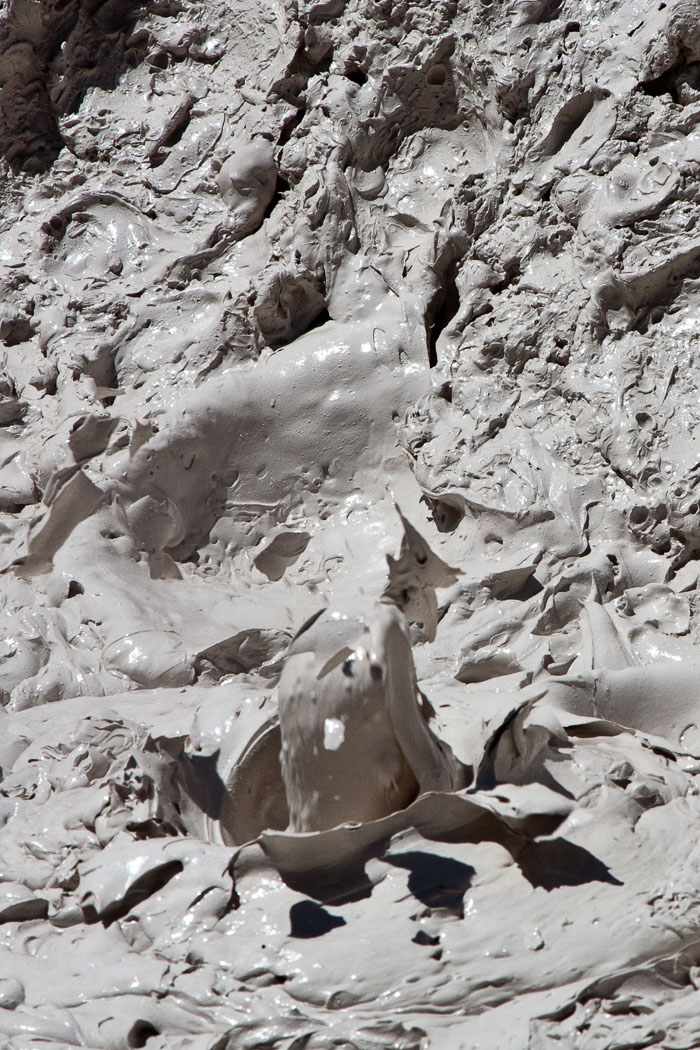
(246, 182)
(356, 745)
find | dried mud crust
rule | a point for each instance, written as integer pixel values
(265, 270)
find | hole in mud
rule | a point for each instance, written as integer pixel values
(446, 516)
(424, 938)
(319, 320)
(75, 588)
(357, 76)
(139, 1034)
(441, 311)
(290, 125)
(638, 515)
(281, 187)
(561, 355)
(158, 60)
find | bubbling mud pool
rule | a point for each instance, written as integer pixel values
(266, 272)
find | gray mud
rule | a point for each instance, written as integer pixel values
(265, 270)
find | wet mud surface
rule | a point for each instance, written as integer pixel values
(267, 271)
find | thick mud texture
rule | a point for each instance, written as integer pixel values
(267, 272)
